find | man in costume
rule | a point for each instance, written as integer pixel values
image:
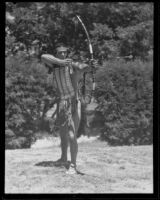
(66, 76)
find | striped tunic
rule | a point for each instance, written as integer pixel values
(61, 77)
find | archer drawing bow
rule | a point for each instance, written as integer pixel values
(91, 54)
(62, 79)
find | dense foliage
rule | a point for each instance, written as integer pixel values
(125, 96)
(124, 89)
(27, 90)
(116, 28)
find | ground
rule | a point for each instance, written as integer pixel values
(102, 169)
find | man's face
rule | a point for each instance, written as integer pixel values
(62, 54)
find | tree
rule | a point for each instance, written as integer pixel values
(115, 28)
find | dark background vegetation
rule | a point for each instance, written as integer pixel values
(124, 89)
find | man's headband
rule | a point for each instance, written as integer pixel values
(61, 48)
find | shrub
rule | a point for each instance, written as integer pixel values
(17, 143)
(124, 94)
(27, 88)
(9, 133)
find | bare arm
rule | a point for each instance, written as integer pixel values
(50, 60)
(81, 66)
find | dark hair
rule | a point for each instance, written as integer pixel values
(60, 44)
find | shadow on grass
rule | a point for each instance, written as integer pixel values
(54, 164)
